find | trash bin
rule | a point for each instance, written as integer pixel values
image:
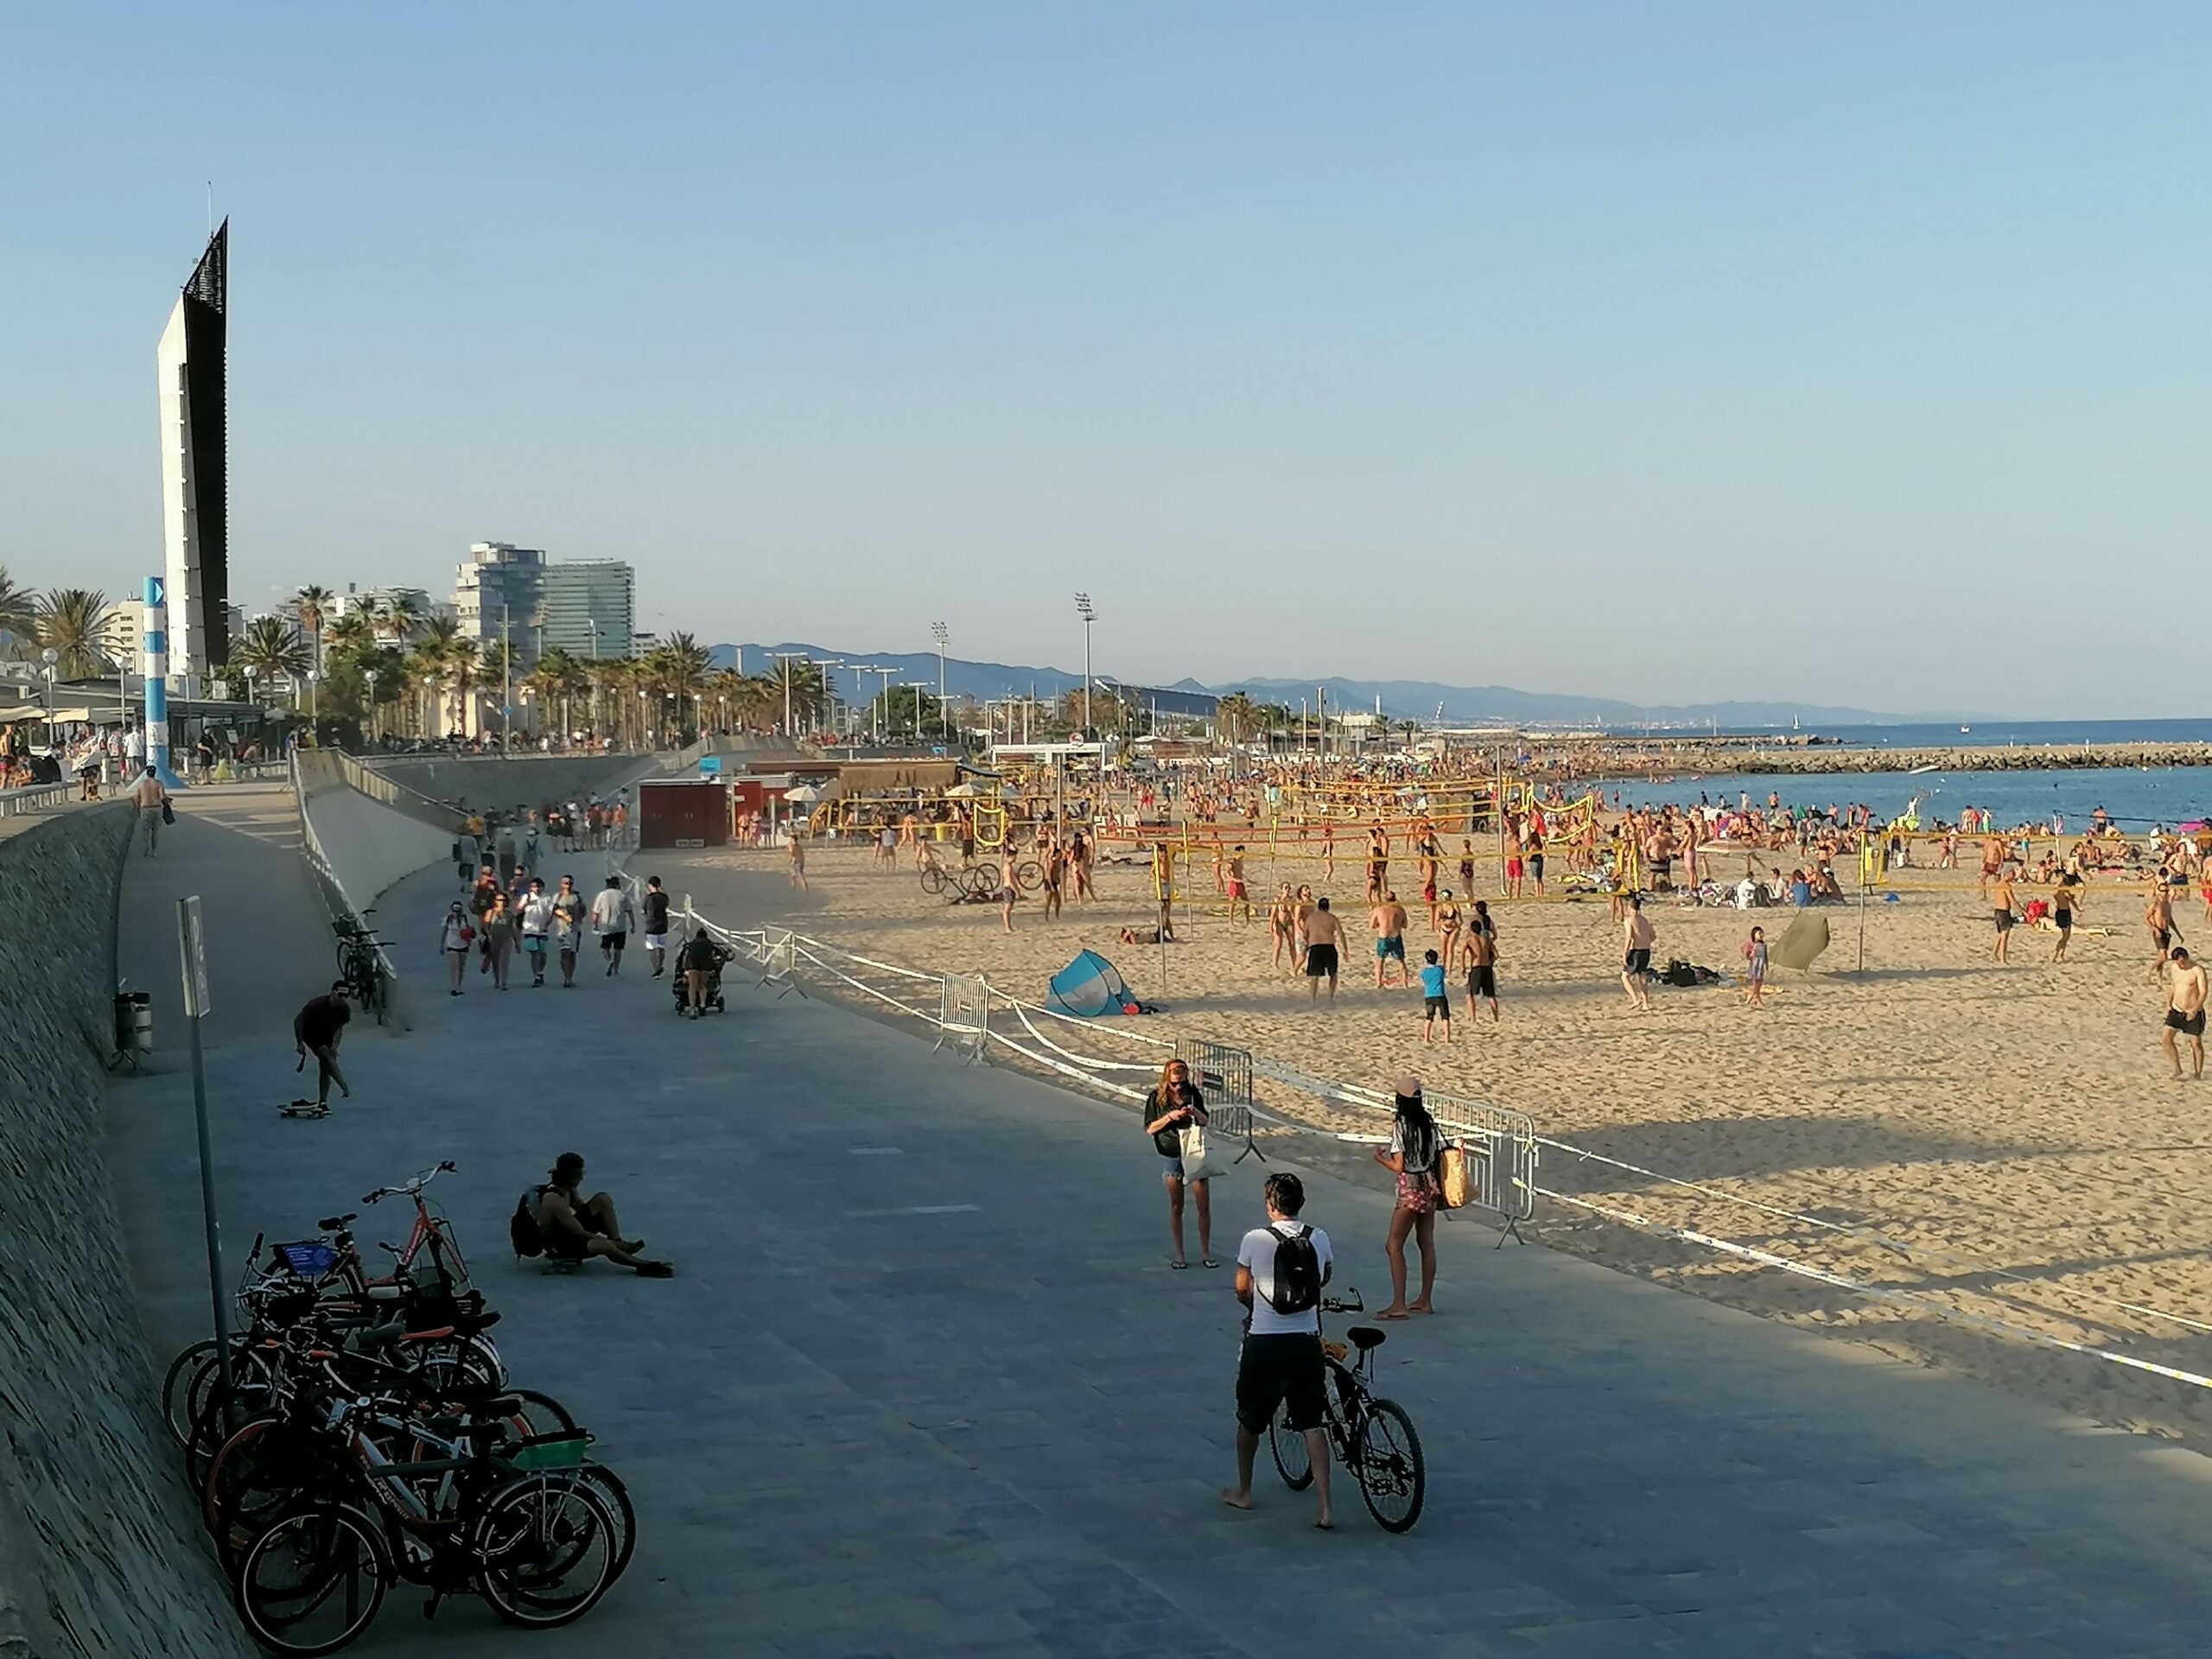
(134, 1022)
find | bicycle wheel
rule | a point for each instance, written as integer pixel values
(932, 881)
(313, 1581)
(983, 879)
(548, 1545)
(262, 1471)
(609, 1486)
(1386, 1460)
(178, 1386)
(1293, 1459)
(1029, 875)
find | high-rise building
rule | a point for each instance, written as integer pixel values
(501, 587)
(123, 623)
(195, 521)
(591, 607)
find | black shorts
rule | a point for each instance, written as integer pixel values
(1482, 981)
(1438, 1008)
(1637, 961)
(2063, 919)
(2004, 921)
(1273, 1370)
(1320, 962)
(2164, 937)
(612, 943)
(2189, 1025)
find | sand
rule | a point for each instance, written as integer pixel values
(2004, 1140)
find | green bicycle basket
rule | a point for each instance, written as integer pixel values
(551, 1451)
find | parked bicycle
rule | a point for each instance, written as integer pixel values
(360, 965)
(975, 881)
(1371, 1436)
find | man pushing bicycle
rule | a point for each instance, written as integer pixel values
(1281, 1268)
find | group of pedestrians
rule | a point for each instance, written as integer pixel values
(495, 921)
(1282, 1267)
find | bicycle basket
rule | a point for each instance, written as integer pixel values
(548, 1450)
(310, 1260)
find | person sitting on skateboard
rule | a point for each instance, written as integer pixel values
(574, 1228)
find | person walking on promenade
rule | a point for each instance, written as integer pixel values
(1755, 968)
(151, 800)
(1173, 1105)
(1325, 939)
(567, 928)
(1415, 1146)
(536, 918)
(454, 934)
(1281, 1268)
(655, 924)
(2185, 989)
(614, 918)
(499, 926)
(1637, 936)
(317, 1029)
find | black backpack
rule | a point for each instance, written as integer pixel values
(522, 1226)
(1298, 1272)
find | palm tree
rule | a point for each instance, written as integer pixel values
(78, 622)
(18, 613)
(351, 636)
(270, 648)
(399, 618)
(1237, 717)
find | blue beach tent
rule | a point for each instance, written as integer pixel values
(1090, 986)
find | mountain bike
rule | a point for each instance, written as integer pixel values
(1371, 1436)
(977, 881)
(360, 965)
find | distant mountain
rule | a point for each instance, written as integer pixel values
(1463, 705)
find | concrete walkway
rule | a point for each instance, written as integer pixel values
(925, 1385)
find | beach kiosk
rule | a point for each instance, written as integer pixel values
(683, 812)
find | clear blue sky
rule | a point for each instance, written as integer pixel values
(1664, 353)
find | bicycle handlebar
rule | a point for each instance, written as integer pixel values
(1349, 1302)
(412, 1186)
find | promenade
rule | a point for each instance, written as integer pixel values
(925, 1385)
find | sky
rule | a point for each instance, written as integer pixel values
(1846, 354)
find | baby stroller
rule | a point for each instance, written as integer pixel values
(717, 958)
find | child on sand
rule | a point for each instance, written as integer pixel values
(1436, 1001)
(1755, 968)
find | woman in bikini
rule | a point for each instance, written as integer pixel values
(1281, 914)
(1448, 929)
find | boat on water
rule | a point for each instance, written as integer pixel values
(1930, 766)
(1966, 729)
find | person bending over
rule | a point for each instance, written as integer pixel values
(317, 1029)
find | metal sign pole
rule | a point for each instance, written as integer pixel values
(192, 952)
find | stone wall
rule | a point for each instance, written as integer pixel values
(486, 781)
(100, 1552)
(368, 846)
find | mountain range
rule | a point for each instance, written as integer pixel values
(1463, 705)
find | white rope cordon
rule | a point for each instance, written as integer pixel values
(1861, 1288)
(1120, 1088)
(1080, 1059)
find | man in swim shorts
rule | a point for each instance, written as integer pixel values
(1325, 936)
(1481, 950)
(2000, 902)
(2185, 989)
(2065, 904)
(1638, 937)
(1388, 918)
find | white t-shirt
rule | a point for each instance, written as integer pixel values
(611, 912)
(1257, 1254)
(538, 913)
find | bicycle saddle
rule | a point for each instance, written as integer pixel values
(331, 1223)
(1365, 1337)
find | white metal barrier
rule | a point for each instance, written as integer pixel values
(963, 1017)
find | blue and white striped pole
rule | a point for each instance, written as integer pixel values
(154, 637)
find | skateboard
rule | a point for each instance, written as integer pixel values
(303, 1108)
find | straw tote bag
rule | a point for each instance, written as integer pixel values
(1455, 1178)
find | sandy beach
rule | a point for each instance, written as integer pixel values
(2001, 1142)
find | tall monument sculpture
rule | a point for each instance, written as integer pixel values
(195, 519)
(154, 644)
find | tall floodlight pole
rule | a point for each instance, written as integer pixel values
(943, 638)
(1083, 609)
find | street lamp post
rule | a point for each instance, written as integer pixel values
(370, 675)
(1083, 609)
(939, 632)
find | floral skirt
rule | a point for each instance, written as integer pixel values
(1417, 1194)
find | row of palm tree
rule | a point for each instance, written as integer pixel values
(77, 624)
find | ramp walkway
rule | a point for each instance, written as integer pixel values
(925, 1385)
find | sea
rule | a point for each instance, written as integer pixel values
(2137, 797)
